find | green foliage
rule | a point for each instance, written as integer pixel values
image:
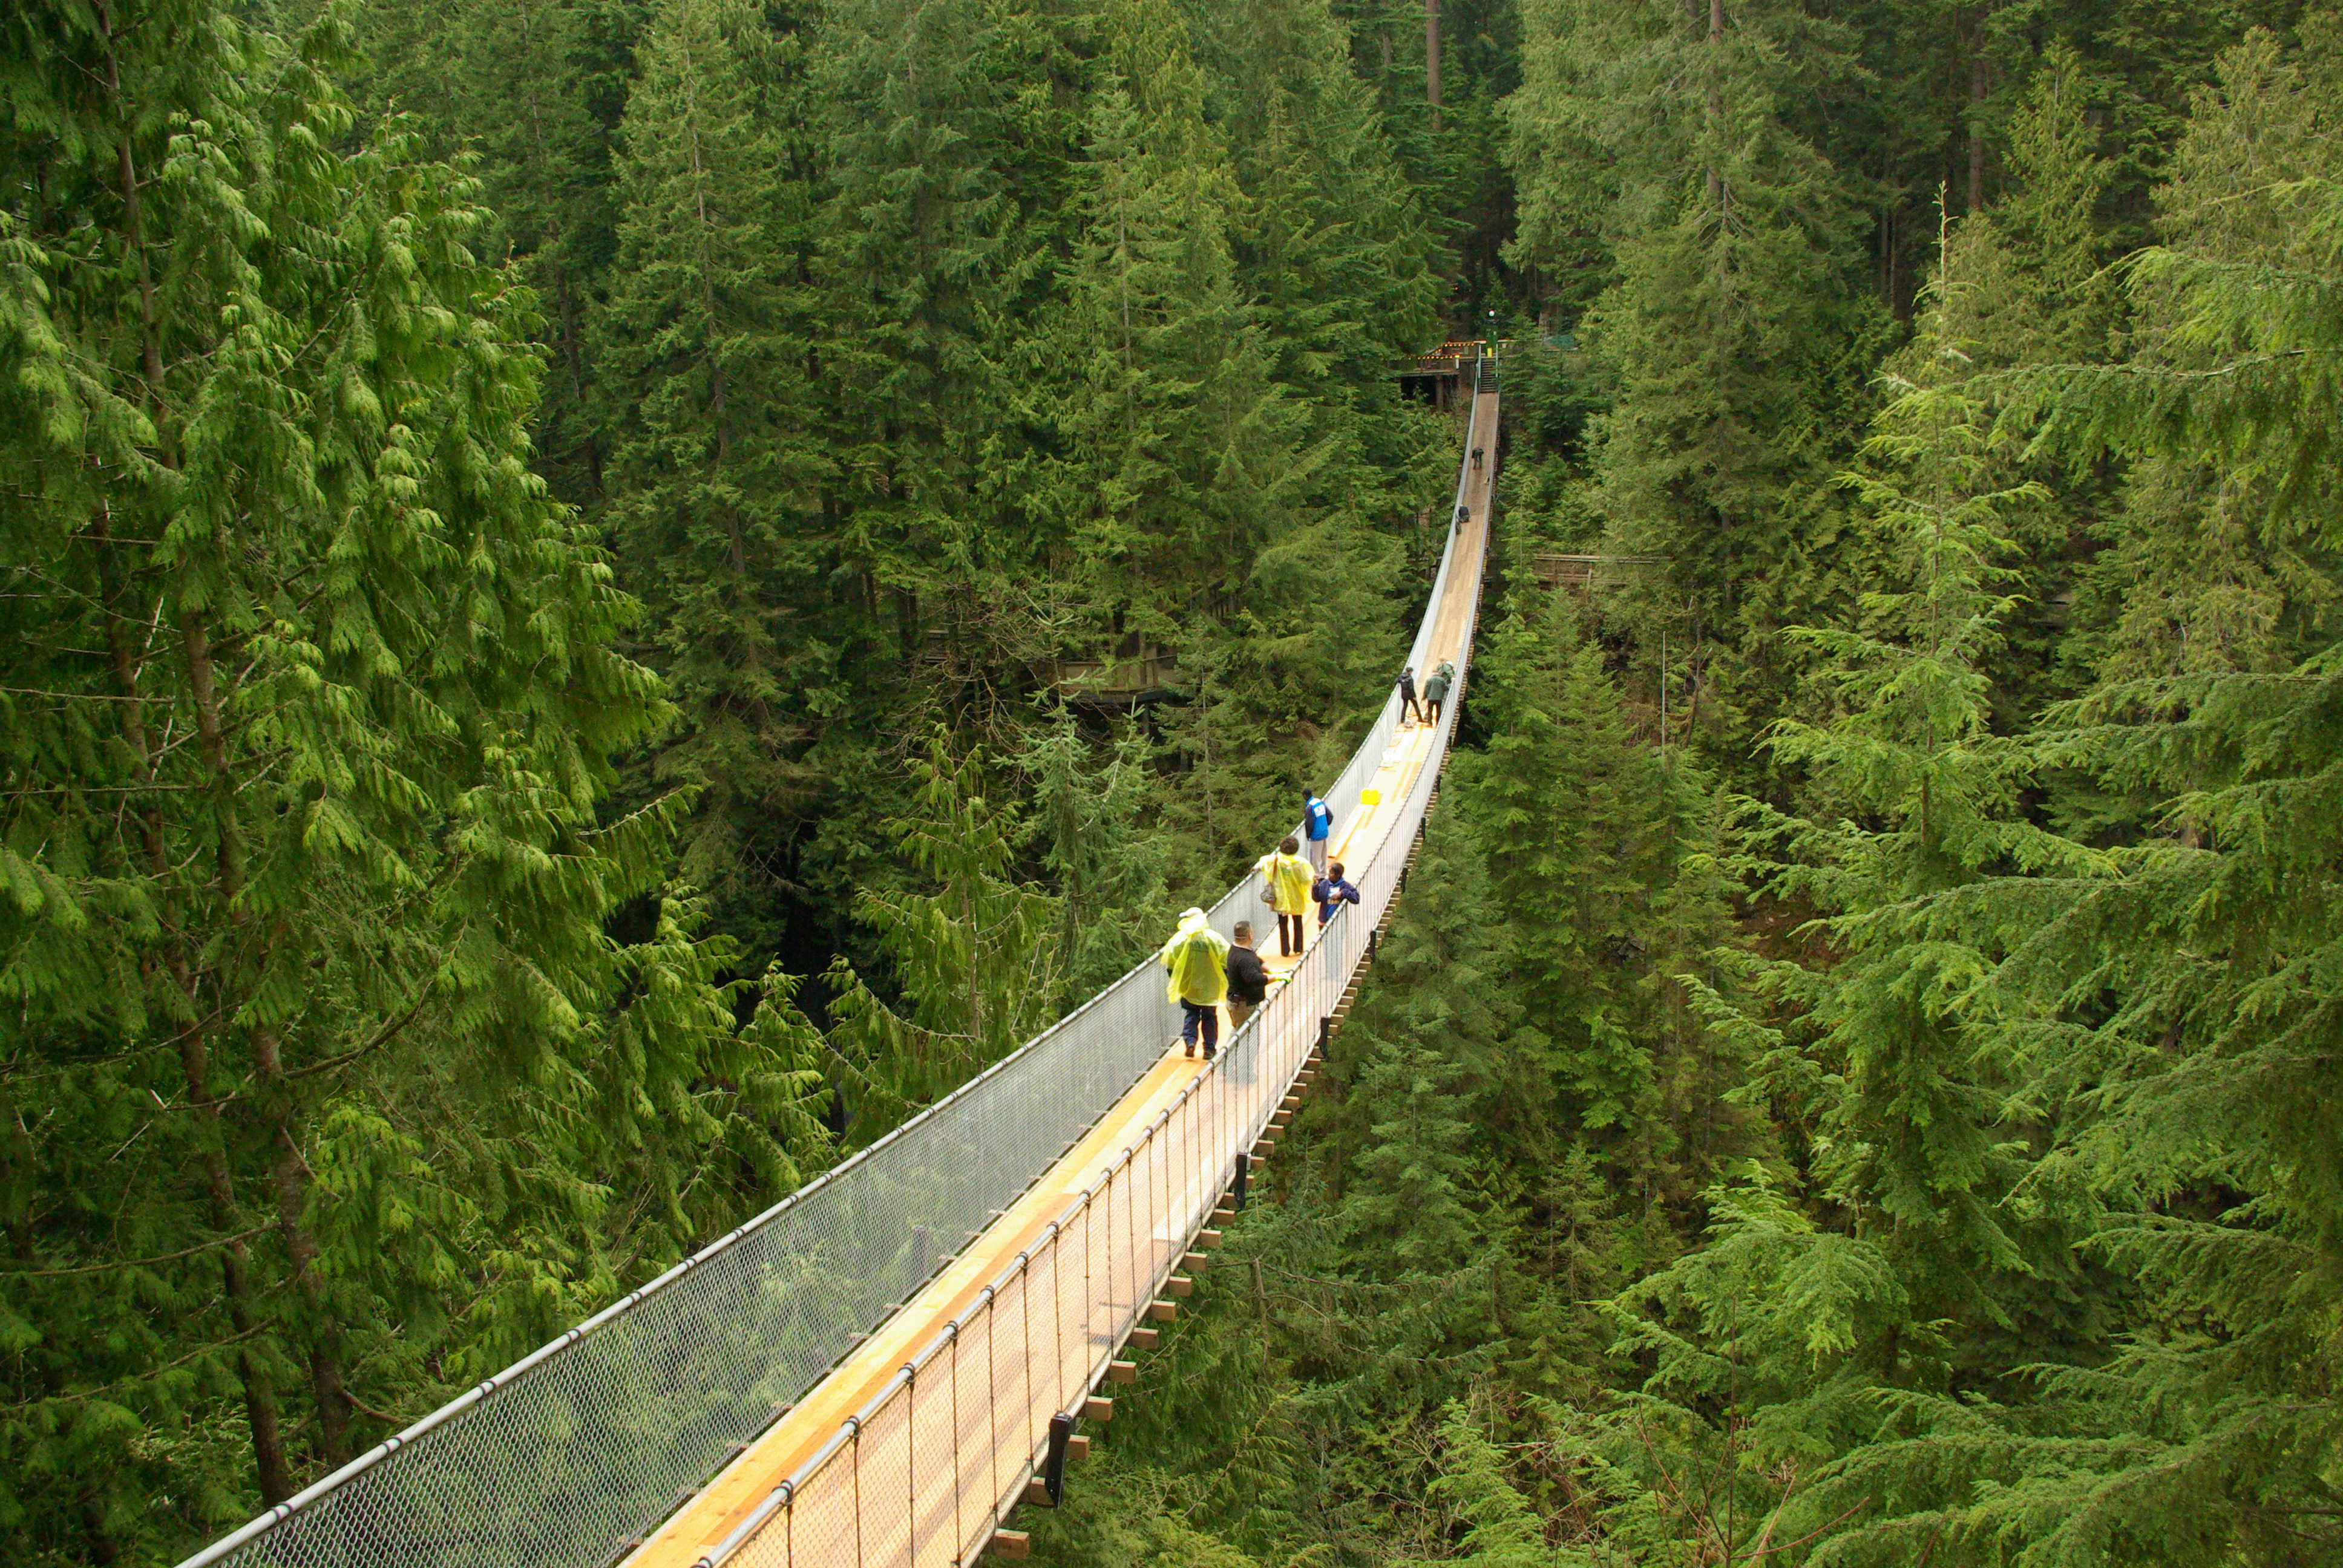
(978, 959)
(533, 90)
(1500, 1529)
(702, 341)
(1847, 1080)
(313, 698)
(1085, 819)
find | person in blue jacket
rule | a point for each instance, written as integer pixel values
(1317, 827)
(1331, 891)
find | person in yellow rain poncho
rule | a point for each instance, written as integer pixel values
(1288, 877)
(1197, 961)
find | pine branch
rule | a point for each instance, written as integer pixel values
(137, 1262)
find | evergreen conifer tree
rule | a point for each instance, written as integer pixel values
(534, 89)
(1437, 1066)
(1335, 247)
(1157, 336)
(1734, 323)
(1567, 802)
(2176, 1013)
(978, 960)
(940, 238)
(1107, 869)
(312, 699)
(1921, 797)
(705, 339)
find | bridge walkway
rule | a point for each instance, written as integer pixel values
(940, 1523)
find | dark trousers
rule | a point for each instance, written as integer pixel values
(1288, 935)
(1407, 706)
(1199, 1015)
(1432, 707)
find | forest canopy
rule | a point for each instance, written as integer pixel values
(605, 597)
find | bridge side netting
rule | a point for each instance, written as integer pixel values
(571, 1455)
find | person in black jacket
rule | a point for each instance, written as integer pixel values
(1407, 703)
(1248, 980)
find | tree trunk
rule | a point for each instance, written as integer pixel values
(274, 1476)
(1977, 86)
(1715, 105)
(1431, 58)
(290, 1174)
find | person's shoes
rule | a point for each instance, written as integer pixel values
(1208, 1053)
(1192, 1051)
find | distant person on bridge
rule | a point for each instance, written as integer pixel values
(1435, 691)
(1317, 825)
(1248, 979)
(1464, 515)
(1407, 703)
(1286, 877)
(1197, 961)
(1331, 891)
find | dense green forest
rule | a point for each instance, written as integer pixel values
(574, 569)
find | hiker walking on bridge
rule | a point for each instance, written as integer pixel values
(1317, 825)
(1248, 982)
(1286, 879)
(1407, 703)
(1435, 691)
(1196, 959)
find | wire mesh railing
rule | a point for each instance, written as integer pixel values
(570, 1456)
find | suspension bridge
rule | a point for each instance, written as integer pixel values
(877, 1370)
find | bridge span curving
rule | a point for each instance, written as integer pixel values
(876, 1370)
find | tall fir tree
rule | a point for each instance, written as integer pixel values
(1735, 323)
(2176, 1013)
(706, 339)
(973, 950)
(533, 90)
(949, 137)
(313, 699)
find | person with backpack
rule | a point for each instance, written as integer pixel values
(1435, 691)
(1285, 887)
(1197, 961)
(1331, 891)
(1317, 827)
(1407, 703)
